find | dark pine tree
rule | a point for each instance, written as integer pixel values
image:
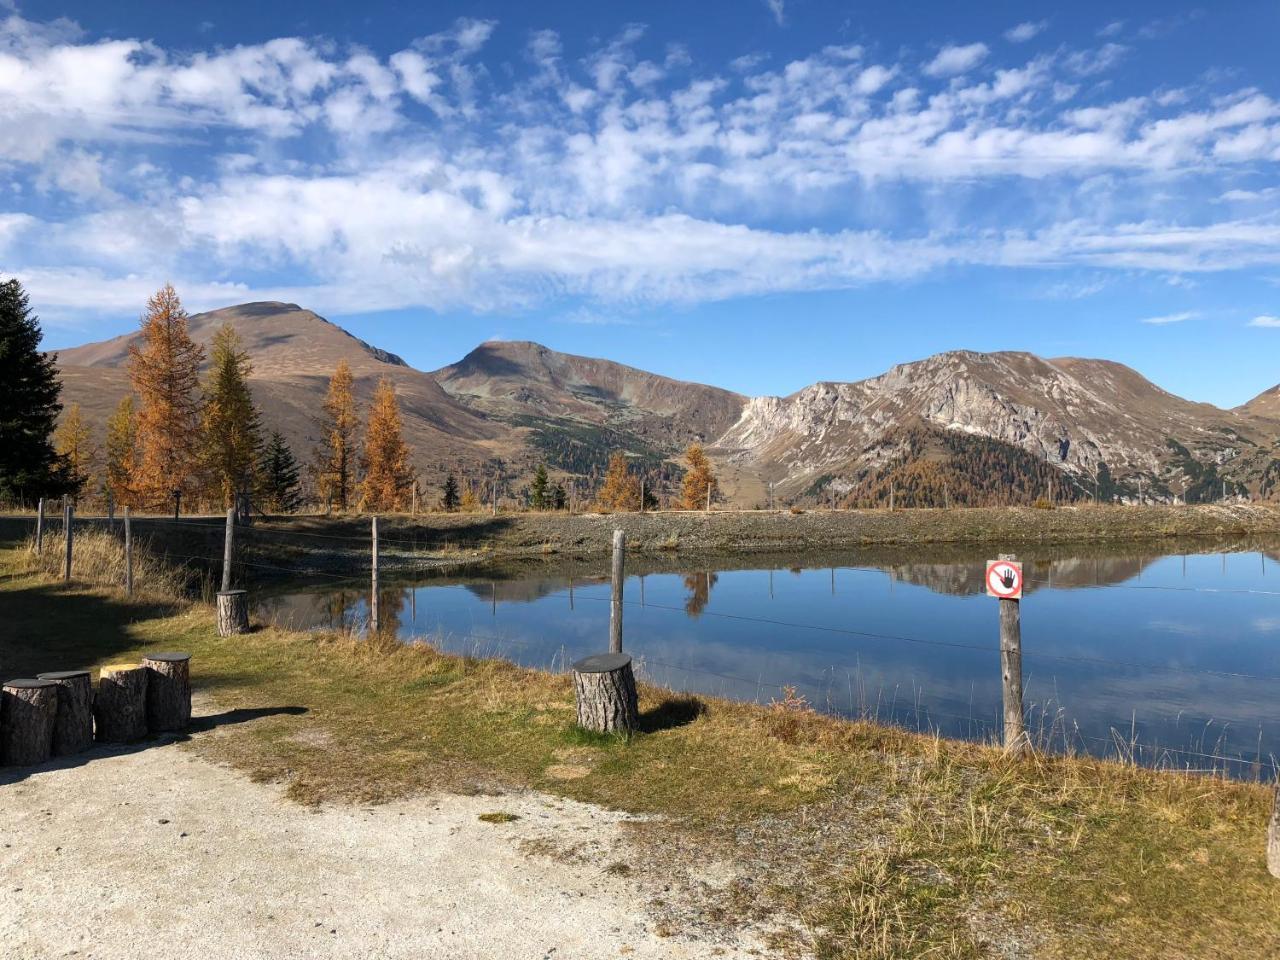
(29, 405)
(559, 497)
(450, 500)
(538, 497)
(279, 476)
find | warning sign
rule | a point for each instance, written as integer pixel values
(1004, 579)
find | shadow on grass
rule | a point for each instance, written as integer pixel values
(11, 775)
(48, 627)
(670, 713)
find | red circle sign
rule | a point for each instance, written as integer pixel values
(1004, 579)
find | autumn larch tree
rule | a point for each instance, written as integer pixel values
(165, 371)
(388, 475)
(621, 490)
(699, 480)
(449, 498)
(232, 427)
(121, 452)
(470, 501)
(278, 476)
(336, 456)
(29, 407)
(74, 443)
(538, 491)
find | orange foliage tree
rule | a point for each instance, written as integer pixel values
(388, 475)
(165, 372)
(699, 481)
(336, 455)
(74, 443)
(122, 452)
(621, 490)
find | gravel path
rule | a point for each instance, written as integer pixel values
(156, 853)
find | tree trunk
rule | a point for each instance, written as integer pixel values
(121, 705)
(233, 612)
(28, 710)
(1273, 836)
(168, 691)
(73, 728)
(605, 688)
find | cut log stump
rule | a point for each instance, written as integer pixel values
(1273, 836)
(168, 691)
(28, 710)
(233, 612)
(605, 687)
(73, 728)
(120, 707)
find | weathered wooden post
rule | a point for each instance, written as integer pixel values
(605, 689)
(1273, 836)
(168, 691)
(28, 711)
(617, 575)
(120, 708)
(495, 498)
(228, 548)
(73, 725)
(40, 526)
(708, 510)
(1004, 581)
(373, 585)
(128, 553)
(233, 612)
(68, 513)
(177, 503)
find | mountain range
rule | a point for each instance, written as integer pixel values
(959, 426)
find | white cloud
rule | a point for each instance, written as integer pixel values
(777, 8)
(1168, 318)
(1025, 31)
(953, 60)
(420, 179)
(1265, 321)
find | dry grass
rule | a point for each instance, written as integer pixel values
(872, 841)
(98, 560)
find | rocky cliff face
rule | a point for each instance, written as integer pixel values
(1087, 417)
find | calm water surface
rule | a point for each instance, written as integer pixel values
(1173, 657)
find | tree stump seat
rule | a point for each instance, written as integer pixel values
(120, 707)
(605, 689)
(168, 703)
(73, 725)
(28, 711)
(233, 612)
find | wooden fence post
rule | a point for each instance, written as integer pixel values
(708, 498)
(1015, 733)
(373, 598)
(228, 548)
(615, 606)
(68, 514)
(1273, 836)
(128, 554)
(39, 526)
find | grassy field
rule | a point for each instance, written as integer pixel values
(861, 841)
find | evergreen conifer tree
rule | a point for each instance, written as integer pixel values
(29, 466)
(449, 498)
(538, 491)
(278, 473)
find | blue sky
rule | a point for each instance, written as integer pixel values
(754, 194)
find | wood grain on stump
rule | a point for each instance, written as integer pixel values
(233, 612)
(168, 691)
(28, 710)
(120, 707)
(1273, 836)
(605, 688)
(73, 728)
